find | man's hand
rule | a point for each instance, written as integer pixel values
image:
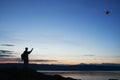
(31, 49)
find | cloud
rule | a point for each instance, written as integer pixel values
(2, 55)
(7, 45)
(6, 53)
(41, 60)
(89, 55)
(5, 35)
(9, 59)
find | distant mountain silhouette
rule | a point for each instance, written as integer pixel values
(80, 67)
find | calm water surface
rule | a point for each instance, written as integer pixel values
(86, 75)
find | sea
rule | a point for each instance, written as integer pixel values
(86, 75)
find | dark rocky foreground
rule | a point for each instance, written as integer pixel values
(21, 74)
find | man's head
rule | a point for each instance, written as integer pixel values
(26, 49)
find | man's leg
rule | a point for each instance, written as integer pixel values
(25, 64)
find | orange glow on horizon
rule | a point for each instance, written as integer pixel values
(65, 62)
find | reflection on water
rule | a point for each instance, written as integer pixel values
(87, 75)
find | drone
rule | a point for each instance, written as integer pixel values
(107, 12)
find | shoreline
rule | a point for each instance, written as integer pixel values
(83, 75)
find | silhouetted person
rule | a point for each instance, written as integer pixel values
(25, 57)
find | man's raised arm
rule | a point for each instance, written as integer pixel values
(31, 51)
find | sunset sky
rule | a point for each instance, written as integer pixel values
(60, 31)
